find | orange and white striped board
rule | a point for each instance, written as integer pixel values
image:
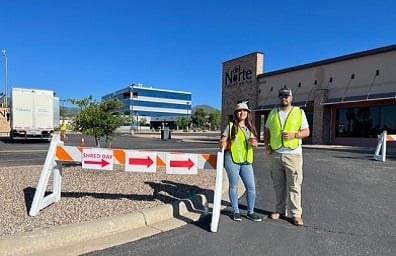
(390, 137)
(74, 154)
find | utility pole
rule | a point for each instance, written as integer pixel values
(6, 77)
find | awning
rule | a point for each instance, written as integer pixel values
(301, 104)
(351, 99)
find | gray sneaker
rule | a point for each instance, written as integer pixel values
(254, 217)
(237, 216)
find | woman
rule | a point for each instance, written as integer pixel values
(239, 139)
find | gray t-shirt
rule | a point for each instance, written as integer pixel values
(246, 131)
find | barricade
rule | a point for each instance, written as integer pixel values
(380, 151)
(214, 224)
(134, 160)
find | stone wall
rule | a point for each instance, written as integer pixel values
(239, 81)
(4, 124)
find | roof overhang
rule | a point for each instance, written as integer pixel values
(301, 104)
(351, 99)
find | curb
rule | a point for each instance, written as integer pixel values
(78, 238)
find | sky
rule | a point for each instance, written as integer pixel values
(81, 48)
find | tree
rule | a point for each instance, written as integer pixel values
(199, 117)
(215, 118)
(182, 122)
(99, 119)
(143, 121)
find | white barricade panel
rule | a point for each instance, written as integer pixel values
(140, 161)
(97, 159)
(181, 163)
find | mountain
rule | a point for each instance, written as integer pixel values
(208, 109)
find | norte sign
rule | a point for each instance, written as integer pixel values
(97, 158)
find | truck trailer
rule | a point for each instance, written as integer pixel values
(32, 114)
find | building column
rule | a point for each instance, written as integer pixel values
(321, 118)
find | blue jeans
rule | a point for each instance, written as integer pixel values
(246, 172)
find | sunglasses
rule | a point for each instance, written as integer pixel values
(283, 96)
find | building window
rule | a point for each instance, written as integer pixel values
(366, 122)
(125, 95)
(309, 115)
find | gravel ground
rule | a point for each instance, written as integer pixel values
(90, 194)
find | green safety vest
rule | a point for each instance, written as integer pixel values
(241, 149)
(292, 124)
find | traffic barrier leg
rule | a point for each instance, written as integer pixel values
(41, 201)
(381, 148)
(218, 192)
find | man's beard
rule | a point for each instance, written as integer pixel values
(284, 103)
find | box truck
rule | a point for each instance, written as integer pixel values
(32, 114)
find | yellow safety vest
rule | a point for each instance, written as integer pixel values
(241, 149)
(292, 124)
(63, 127)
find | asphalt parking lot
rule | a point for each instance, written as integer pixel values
(348, 203)
(349, 209)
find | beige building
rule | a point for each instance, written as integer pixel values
(349, 100)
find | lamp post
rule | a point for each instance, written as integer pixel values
(187, 108)
(137, 121)
(187, 104)
(6, 77)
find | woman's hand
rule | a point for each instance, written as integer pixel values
(253, 142)
(223, 143)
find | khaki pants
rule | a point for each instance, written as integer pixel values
(287, 177)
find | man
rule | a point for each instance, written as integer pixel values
(285, 128)
(63, 129)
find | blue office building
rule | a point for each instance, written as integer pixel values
(155, 105)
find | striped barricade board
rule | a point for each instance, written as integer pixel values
(105, 159)
(123, 156)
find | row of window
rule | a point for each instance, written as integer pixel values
(362, 122)
(365, 122)
(139, 92)
(153, 102)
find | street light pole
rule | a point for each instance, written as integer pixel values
(187, 108)
(6, 77)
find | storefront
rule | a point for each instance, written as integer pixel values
(349, 100)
